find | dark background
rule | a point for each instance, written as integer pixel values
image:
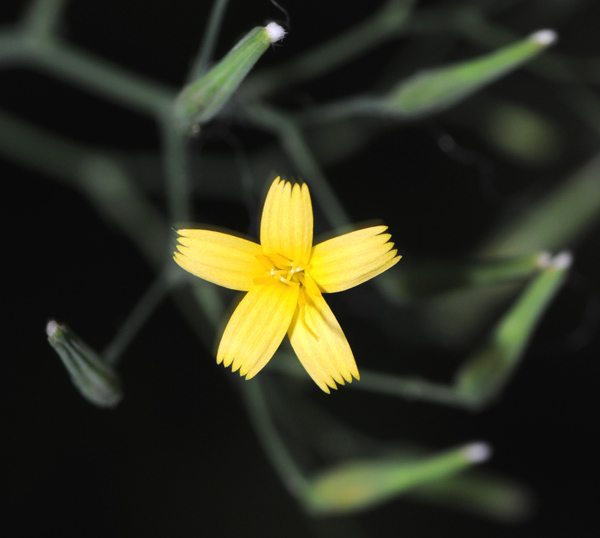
(178, 457)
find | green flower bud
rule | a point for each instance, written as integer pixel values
(202, 99)
(437, 89)
(95, 379)
(361, 484)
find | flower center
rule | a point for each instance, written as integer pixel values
(278, 268)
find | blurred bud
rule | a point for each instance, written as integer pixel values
(202, 99)
(490, 366)
(361, 484)
(96, 381)
(437, 89)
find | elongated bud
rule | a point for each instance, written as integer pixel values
(96, 381)
(202, 99)
(438, 89)
(361, 484)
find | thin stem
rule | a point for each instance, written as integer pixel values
(84, 70)
(356, 107)
(215, 20)
(282, 460)
(42, 18)
(414, 388)
(99, 178)
(177, 168)
(558, 219)
(141, 312)
(292, 140)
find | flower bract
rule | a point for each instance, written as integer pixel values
(285, 277)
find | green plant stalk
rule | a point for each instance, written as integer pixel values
(215, 20)
(291, 138)
(431, 278)
(284, 463)
(177, 169)
(43, 17)
(86, 71)
(556, 221)
(142, 311)
(100, 179)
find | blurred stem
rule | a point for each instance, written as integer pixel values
(554, 222)
(84, 70)
(430, 278)
(177, 168)
(291, 138)
(282, 460)
(354, 107)
(479, 493)
(412, 388)
(141, 312)
(42, 18)
(207, 48)
(102, 180)
(487, 369)
(383, 25)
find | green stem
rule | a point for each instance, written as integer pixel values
(356, 107)
(141, 312)
(556, 221)
(42, 18)
(100, 178)
(86, 71)
(215, 20)
(177, 168)
(296, 147)
(282, 460)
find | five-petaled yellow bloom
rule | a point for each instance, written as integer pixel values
(285, 277)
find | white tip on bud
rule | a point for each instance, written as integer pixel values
(544, 37)
(563, 260)
(478, 452)
(51, 328)
(275, 32)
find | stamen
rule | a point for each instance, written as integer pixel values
(288, 281)
(292, 273)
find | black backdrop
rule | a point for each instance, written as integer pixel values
(178, 456)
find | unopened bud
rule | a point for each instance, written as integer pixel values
(201, 100)
(96, 381)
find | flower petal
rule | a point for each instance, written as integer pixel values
(220, 258)
(353, 258)
(321, 345)
(286, 226)
(257, 327)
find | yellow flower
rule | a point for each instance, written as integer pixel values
(285, 277)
